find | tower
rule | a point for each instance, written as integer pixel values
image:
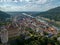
(4, 35)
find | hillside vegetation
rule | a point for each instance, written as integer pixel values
(51, 14)
(3, 16)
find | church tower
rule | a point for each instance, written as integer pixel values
(4, 35)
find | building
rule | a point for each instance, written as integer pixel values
(4, 35)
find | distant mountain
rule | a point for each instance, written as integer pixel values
(3, 16)
(52, 14)
(20, 13)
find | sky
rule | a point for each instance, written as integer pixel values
(29, 5)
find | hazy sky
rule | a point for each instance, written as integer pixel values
(29, 5)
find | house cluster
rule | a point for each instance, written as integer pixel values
(37, 26)
(17, 28)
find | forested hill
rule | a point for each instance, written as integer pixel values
(52, 14)
(4, 15)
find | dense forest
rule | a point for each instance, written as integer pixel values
(51, 14)
(3, 16)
